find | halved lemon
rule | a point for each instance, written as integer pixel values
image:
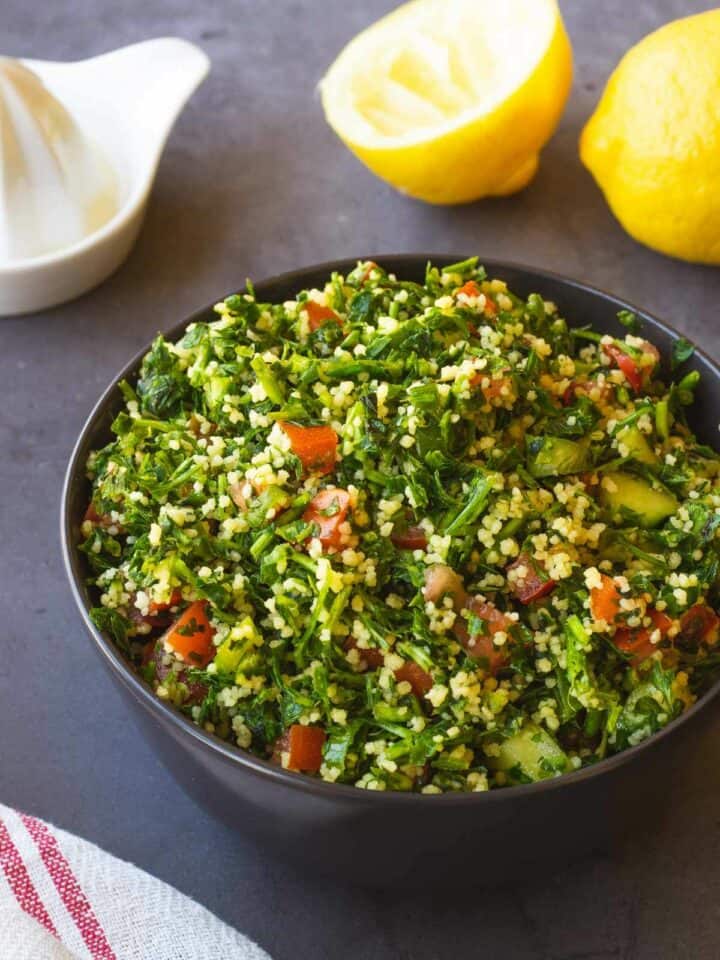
(452, 100)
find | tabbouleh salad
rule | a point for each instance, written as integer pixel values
(411, 536)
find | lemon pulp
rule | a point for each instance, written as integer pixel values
(451, 100)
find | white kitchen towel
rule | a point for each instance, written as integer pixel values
(61, 898)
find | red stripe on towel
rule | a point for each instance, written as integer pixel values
(71, 893)
(20, 881)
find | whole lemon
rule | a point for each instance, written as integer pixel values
(653, 143)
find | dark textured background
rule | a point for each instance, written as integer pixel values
(253, 183)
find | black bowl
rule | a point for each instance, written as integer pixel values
(385, 839)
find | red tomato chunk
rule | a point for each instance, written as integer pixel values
(605, 600)
(190, 637)
(412, 538)
(154, 654)
(318, 315)
(699, 625)
(530, 585)
(470, 289)
(303, 746)
(410, 672)
(481, 646)
(419, 679)
(328, 510)
(637, 643)
(315, 447)
(636, 374)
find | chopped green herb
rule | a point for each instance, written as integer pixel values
(682, 351)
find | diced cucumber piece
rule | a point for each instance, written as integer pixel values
(237, 652)
(556, 456)
(638, 448)
(630, 497)
(228, 657)
(530, 754)
(271, 385)
(662, 419)
(217, 388)
(272, 498)
(612, 550)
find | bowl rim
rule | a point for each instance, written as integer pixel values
(264, 768)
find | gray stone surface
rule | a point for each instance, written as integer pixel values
(252, 183)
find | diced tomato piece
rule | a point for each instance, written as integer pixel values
(571, 393)
(329, 509)
(568, 397)
(303, 745)
(660, 621)
(419, 679)
(530, 585)
(154, 653)
(369, 267)
(490, 307)
(318, 315)
(480, 646)
(590, 481)
(637, 644)
(699, 625)
(103, 520)
(584, 388)
(237, 497)
(652, 351)
(371, 655)
(316, 447)
(91, 514)
(158, 614)
(629, 367)
(496, 386)
(470, 289)
(159, 620)
(440, 581)
(191, 635)
(175, 599)
(605, 600)
(495, 620)
(97, 519)
(412, 538)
